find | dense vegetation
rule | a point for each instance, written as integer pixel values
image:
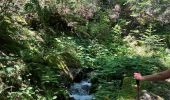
(44, 44)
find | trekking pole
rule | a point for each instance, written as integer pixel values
(138, 82)
(138, 88)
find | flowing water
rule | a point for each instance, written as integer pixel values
(80, 91)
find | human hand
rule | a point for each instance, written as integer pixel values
(138, 76)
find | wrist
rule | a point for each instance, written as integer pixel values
(143, 78)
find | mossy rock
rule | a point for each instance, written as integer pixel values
(70, 60)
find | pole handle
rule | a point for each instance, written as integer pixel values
(137, 82)
(138, 89)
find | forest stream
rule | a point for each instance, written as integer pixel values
(81, 90)
(83, 49)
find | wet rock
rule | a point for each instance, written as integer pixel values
(82, 74)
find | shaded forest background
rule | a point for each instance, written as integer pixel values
(46, 44)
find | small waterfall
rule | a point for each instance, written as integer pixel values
(80, 91)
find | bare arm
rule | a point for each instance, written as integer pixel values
(154, 77)
(158, 76)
